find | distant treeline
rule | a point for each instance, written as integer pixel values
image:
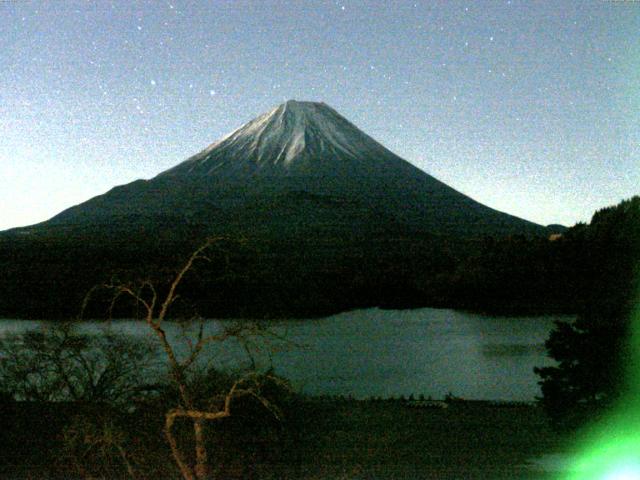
(48, 272)
(590, 266)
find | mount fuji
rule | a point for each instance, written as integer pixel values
(296, 165)
(330, 218)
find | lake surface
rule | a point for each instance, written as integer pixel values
(386, 353)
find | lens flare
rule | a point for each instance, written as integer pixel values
(631, 472)
(610, 449)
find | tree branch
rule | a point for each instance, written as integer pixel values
(171, 296)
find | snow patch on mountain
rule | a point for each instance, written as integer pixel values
(292, 135)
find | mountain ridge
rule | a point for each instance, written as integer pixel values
(296, 147)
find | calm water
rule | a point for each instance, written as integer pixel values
(386, 353)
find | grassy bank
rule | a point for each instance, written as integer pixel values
(389, 439)
(315, 440)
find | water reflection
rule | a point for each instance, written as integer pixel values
(372, 352)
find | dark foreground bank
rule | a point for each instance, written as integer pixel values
(317, 439)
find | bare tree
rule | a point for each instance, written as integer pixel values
(155, 307)
(89, 380)
(57, 363)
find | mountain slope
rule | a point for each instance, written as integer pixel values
(297, 149)
(331, 220)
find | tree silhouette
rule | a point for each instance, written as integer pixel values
(155, 304)
(594, 352)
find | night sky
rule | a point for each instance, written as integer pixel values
(532, 108)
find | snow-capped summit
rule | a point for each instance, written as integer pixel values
(300, 167)
(294, 138)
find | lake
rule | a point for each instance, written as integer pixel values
(386, 353)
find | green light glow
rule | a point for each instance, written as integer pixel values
(626, 472)
(610, 449)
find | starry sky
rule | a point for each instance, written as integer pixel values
(530, 107)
